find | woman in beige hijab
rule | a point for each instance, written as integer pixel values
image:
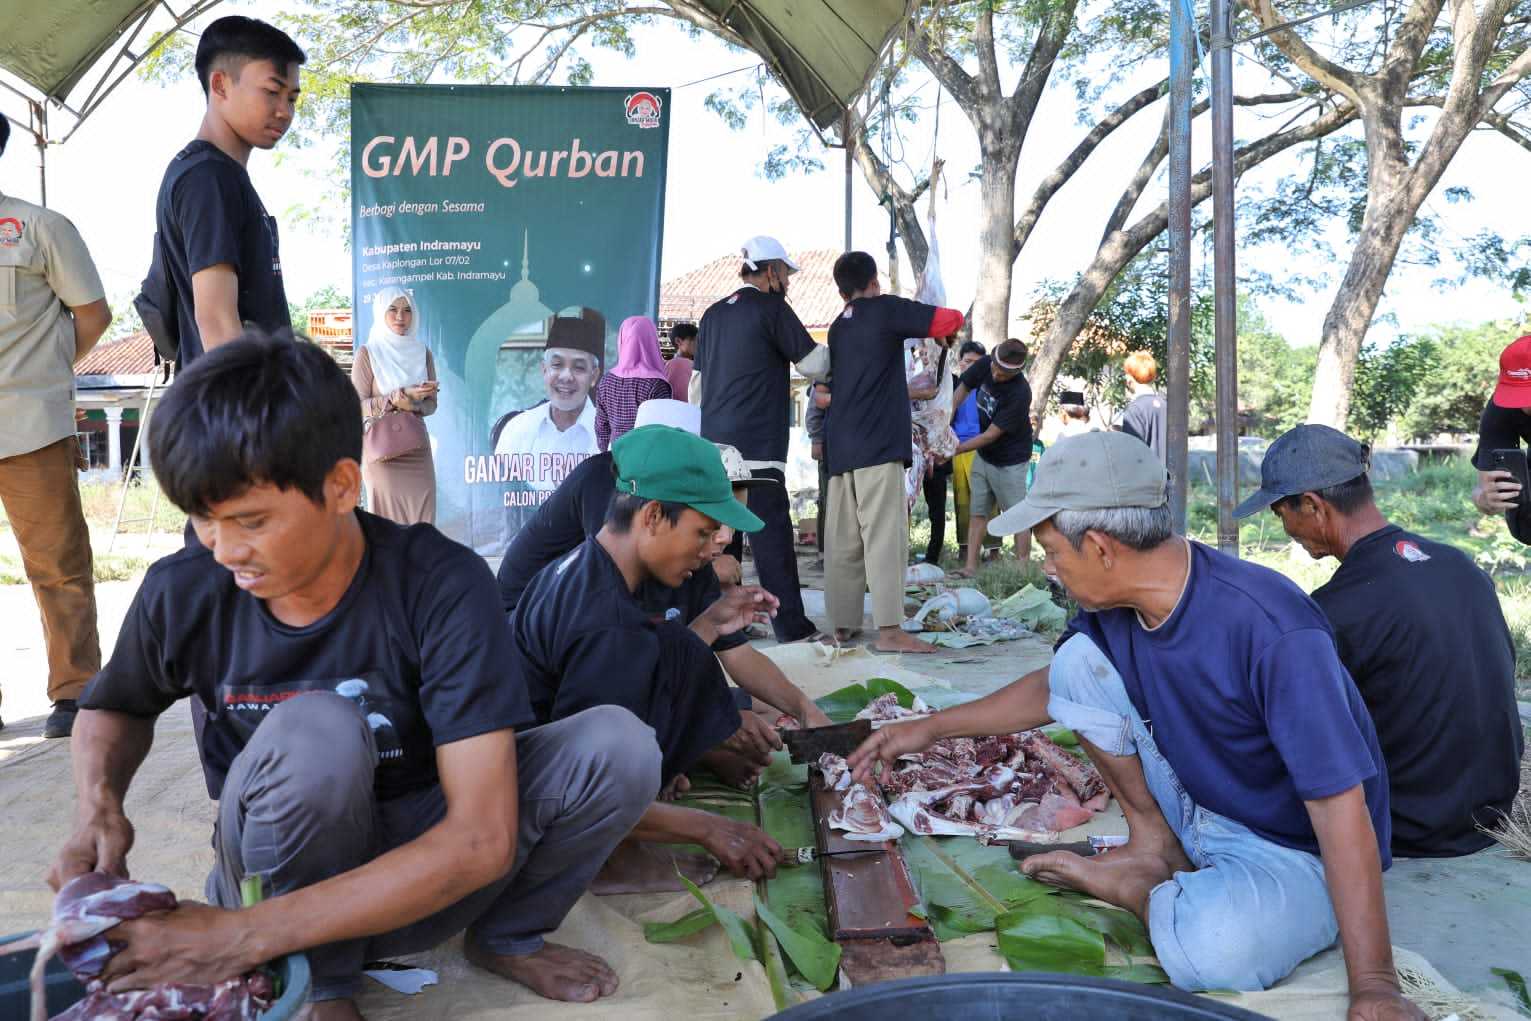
(396, 379)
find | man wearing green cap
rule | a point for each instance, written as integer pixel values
(582, 639)
(1208, 692)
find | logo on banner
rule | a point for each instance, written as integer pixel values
(643, 109)
(10, 232)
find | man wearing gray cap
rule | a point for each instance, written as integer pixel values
(1419, 627)
(1208, 693)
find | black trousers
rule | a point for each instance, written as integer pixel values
(823, 504)
(775, 552)
(934, 488)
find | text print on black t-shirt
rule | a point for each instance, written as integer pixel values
(245, 708)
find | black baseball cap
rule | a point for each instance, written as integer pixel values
(1305, 459)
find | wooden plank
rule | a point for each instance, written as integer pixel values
(867, 961)
(869, 895)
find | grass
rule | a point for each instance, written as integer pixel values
(99, 502)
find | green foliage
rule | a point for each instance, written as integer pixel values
(814, 956)
(1460, 377)
(1386, 382)
(1275, 378)
(733, 926)
(327, 296)
(843, 704)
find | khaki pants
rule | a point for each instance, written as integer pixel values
(867, 545)
(41, 494)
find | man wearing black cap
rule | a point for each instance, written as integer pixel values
(1073, 414)
(564, 427)
(1419, 627)
(580, 638)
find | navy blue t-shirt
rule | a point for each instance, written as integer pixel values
(745, 347)
(1245, 695)
(871, 423)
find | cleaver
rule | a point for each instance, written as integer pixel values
(807, 744)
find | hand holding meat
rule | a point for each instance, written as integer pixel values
(739, 607)
(886, 745)
(194, 943)
(100, 843)
(743, 849)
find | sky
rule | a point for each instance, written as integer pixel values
(106, 178)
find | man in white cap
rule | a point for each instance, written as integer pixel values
(1257, 803)
(746, 346)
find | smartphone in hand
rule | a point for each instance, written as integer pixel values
(1518, 517)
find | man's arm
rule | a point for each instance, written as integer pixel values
(108, 749)
(90, 322)
(1019, 705)
(1353, 872)
(983, 439)
(758, 675)
(743, 849)
(474, 845)
(215, 301)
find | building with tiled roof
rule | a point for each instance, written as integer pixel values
(111, 387)
(812, 293)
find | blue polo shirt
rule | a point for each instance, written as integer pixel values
(1246, 698)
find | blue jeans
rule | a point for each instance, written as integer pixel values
(1253, 910)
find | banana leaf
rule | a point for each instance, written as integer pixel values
(964, 885)
(1517, 984)
(1065, 936)
(815, 958)
(842, 705)
(685, 925)
(738, 933)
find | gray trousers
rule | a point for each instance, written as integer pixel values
(298, 807)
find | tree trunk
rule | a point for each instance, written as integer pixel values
(991, 303)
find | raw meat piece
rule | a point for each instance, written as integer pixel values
(836, 771)
(884, 709)
(863, 815)
(93, 903)
(1079, 774)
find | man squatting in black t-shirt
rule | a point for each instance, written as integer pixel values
(361, 733)
(1419, 628)
(867, 447)
(219, 245)
(581, 636)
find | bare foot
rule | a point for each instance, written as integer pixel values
(847, 634)
(1125, 877)
(640, 867)
(732, 768)
(964, 572)
(678, 785)
(893, 639)
(331, 1010)
(556, 972)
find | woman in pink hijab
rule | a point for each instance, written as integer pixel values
(639, 376)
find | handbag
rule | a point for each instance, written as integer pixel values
(393, 434)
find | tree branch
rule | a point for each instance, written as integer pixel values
(988, 60)
(1318, 67)
(1053, 33)
(947, 71)
(1409, 42)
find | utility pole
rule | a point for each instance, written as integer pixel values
(1179, 388)
(39, 129)
(845, 138)
(1224, 280)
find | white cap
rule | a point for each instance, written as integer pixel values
(761, 248)
(676, 414)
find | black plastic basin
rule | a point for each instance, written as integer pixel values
(1002, 996)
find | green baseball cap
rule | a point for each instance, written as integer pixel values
(658, 462)
(1090, 471)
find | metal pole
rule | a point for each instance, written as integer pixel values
(1224, 282)
(1179, 366)
(845, 138)
(40, 135)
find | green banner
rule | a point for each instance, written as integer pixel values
(502, 210)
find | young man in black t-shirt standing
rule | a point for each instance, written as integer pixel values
(867, 447)
(219, 245)
(1506, 425)
(361, 729)
(1419, 627)
(746, 347)
(1003, 443)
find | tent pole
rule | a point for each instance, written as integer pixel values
(40, 135)
(1224, 280)
(845, 138)
(1180, 257)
